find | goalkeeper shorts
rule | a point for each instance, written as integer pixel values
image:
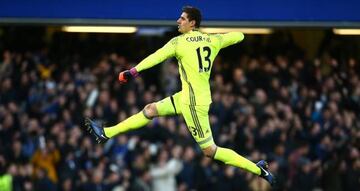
(196, 117)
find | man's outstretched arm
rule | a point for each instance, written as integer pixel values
(231, 38)
(167, 51)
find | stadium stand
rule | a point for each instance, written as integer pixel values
(270, 100)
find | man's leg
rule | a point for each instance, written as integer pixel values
(197, 120)
(133, 122)
(163, 107)
(160, 108)
(232, 158)
(102, 134)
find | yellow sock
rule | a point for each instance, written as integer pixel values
(134, 122)
(230, 157)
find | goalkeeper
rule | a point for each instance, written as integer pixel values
(195, 52)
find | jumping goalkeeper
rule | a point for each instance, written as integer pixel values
(195, 52)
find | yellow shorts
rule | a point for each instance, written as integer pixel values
(196, 118)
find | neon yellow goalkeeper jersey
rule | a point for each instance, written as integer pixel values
(195, 52)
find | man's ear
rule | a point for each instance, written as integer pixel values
(192, 23)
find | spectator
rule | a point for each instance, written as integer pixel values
(142, 181)
(164, 171)
(45, 160)
(187, 173)
(6, 180)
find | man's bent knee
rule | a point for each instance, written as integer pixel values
(210, 151)
(150, 111)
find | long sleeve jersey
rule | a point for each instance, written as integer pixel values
(195, 52)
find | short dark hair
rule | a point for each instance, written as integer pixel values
(193, 14)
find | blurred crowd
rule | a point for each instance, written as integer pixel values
(301, 115)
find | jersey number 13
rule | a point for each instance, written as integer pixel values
(206, 53)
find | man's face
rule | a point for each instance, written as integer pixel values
(184, 25)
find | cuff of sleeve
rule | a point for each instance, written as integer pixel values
(134, 72)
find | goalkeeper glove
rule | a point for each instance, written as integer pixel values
(126, 75)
